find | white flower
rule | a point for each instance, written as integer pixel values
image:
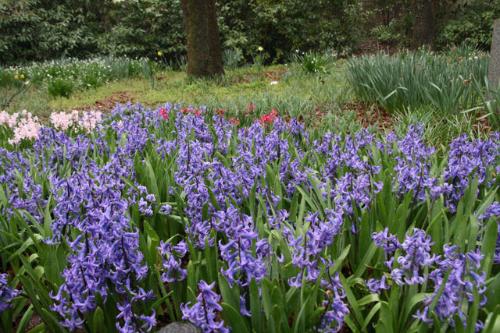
(26, 127)
(62, 120)
(90, 119)
(5, 118)
(273, 83)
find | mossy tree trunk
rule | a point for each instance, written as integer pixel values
(204, 55)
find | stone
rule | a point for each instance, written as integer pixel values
(494, 67)
(179, 327)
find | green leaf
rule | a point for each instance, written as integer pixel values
(229, 295)
(255, 307)
(98, 320)
(341, 258)
(25, 319)
(365, 261)
(236, 321)
(489, 245)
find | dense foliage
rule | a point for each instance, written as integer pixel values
(151, 216)
(40, 29)
(46, 29)
(33, 30)
(470, 24)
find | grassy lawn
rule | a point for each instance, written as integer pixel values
(324, 99)
(286, 88)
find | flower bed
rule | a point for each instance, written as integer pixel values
(174, 214)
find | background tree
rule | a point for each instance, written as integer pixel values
(37, 30)
(423, 31)
(204, 53)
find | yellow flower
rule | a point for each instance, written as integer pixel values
(16, 77)
(21, 76)
(159, 53)
(260, 49)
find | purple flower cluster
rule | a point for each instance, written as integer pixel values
(469, 159)
(386, 241)
(7, 294)
(145, 201)
(335, 307)
(462, 277)
(223, 179)
(23, 193)
(223, 131)
(243, 252)
(349, 172)
(455, 277)
(172, 261)
(493, 211)
(413, 166)
(199, 167)
(205, 312)
(308, 246)
(408, 268)
(91, 214)
(194, 141)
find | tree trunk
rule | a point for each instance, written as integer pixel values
(424, 26)
(204, 54)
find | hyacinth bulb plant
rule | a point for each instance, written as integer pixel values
(181, 214)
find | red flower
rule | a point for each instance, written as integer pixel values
(164, 113)
(269, 118)
(234, 121)
(196, 112)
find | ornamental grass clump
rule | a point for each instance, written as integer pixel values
(171, 214)
(448, 83)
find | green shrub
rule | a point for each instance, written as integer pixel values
(232, 57)
(471, 24)
(387, 33)
(144, 27)
(35, 30)
(313, 63)
(60, 88)
(281, 27)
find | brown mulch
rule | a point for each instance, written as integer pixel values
(373, 115)
(370, 115)
(275, 74)
(107, 104)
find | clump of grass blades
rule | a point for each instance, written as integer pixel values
(447, 82)
(313, 62)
